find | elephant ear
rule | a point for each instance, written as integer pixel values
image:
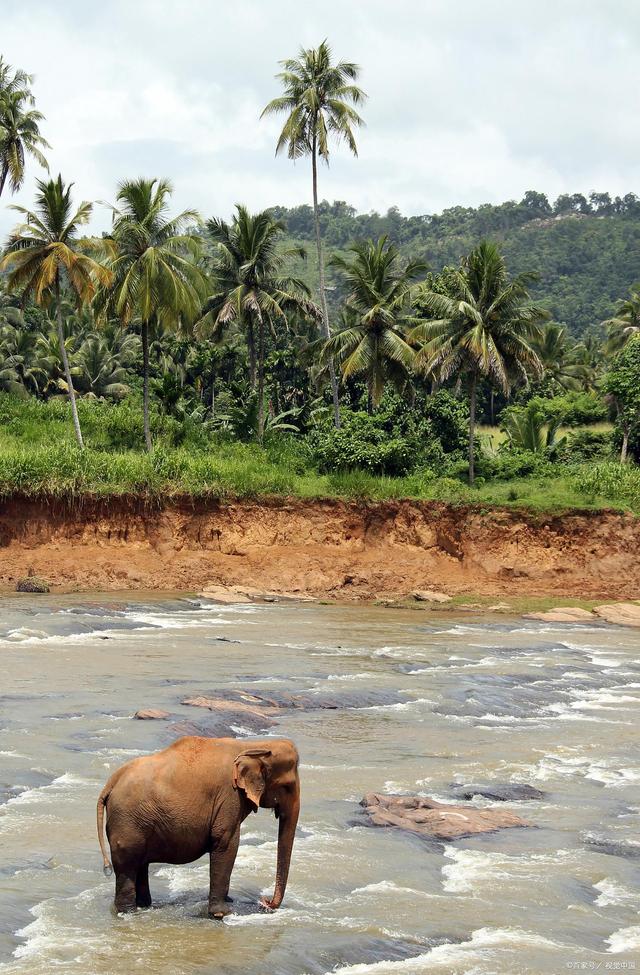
(250, 773)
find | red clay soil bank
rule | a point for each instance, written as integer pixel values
(347, 550)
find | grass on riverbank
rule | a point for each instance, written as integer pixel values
(39, 458)
(246, 470)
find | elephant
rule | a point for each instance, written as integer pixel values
(190, 799)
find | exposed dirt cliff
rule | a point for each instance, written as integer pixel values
(349, 550)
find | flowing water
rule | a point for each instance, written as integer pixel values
(483, 701)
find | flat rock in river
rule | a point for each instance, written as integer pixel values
(624, 614)
(562, 614)
(428, 818)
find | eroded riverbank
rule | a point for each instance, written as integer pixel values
(336, 549)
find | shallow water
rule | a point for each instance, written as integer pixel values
(473, 701)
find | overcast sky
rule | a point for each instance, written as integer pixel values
(468, 102)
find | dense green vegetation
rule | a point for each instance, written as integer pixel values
(181, 355)
(586, 255)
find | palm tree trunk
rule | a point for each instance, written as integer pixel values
(323, 297)
(3, 177)
(213, 395)
(492, 406)
(251, 345)
(145, 385)
(261, 380)
(67, 370)
(473, 382)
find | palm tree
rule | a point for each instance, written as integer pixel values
(98, 371)
(625, 322)
(22, 370)
(528, 429)
(479, 325)
(45, 255)
(318, 98)
(560, 361)
(12, 79)
(19, 136)
(155, 278)
(373, 341)
(251, 289)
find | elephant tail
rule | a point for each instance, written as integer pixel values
(102, 802)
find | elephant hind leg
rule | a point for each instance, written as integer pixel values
(125, 899)
(143, 894)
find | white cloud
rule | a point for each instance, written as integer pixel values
(468, 102)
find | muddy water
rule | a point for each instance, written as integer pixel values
(477, 701)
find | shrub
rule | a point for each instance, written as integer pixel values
(510, 464)
(363, 443)
(396, 440)
(587, 445)
(572, 409)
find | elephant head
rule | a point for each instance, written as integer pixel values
(269, 778)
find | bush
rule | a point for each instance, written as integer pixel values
(363, 443)
(396, 440)
(573, 409)
(587, 445)
(510, 464)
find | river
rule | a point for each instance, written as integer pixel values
(482, 700)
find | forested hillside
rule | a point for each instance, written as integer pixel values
(586, 250)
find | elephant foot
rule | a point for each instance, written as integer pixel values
(126, 907)
(144, 902)
(229, 900)
(219, 909)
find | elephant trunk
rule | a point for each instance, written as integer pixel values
(286, 832)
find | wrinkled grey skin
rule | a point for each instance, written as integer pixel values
(190, 799)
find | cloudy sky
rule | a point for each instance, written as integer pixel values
(468, 102)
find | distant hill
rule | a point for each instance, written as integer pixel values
(586, 250)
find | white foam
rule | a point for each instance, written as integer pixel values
(625, 939)
(613, 893)
(59, 787)
(389, 887)
(473, 870)
(445, 957)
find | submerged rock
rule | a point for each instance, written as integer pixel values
(601, 843)
(431, 819)
(268, 706)
(507, 792)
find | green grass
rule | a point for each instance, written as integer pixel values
(39, 458)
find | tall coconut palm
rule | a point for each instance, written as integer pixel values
(625, 322)
(155, 277)
(44, 255)
(373, 341)
(13, 79)
(19, 136)
(480, 324)
(251, 289)
(319, 98)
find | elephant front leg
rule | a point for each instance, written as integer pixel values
(222, 858)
